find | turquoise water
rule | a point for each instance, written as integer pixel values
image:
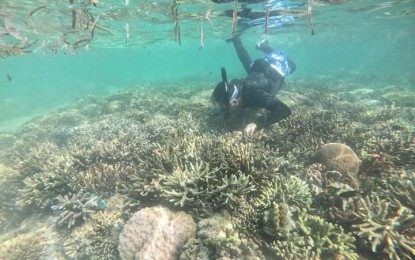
(369, 43)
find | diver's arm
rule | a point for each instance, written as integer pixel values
(278, 111)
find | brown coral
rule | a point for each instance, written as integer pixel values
(338, 157)
(155, 233)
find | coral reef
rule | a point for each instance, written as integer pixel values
(96, 239)
(217, 229)
(314, 238)
(8, 194)
(404, 98)
(402, 189)
(291, 250)
(77, 207)
(25, 246)
(155, 233)
(32, 240)
(41, 189)
(387, 230)
(338, 157)
(278, 220)
(289, 190)
(327, 240)
(217, 239)
(103, 159)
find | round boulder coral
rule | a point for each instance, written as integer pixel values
(338, 157)
(155, 233)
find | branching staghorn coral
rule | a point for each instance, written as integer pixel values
(110, 141)
(96, 239)
(290, 190)
(387, 230)
(41, 189)
(217, 239)
(292, 249)
(195, 184)
(79, 206)
(31, 157)
(207, 173)
(402, 189)
(102, 178)
(327, 240)
(306, 129)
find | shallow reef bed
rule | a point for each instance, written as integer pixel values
(71, 180)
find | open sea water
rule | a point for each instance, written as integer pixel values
(365, 42)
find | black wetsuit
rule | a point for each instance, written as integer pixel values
(259, 88)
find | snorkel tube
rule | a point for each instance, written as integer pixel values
(226, 86)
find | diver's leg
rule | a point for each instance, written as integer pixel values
(243, 54)
(264, 46)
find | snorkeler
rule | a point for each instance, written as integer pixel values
(266, 76)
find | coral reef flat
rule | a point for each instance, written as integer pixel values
(74, 183)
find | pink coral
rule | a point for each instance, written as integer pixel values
(155, 233)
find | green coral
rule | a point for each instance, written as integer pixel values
(278, 220)
(326, 239)
(292, 250)
(290, 190)
(388, 230)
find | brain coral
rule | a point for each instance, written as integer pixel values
(338, 157)
(155, 233)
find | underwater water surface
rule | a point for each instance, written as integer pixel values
(106, 125)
